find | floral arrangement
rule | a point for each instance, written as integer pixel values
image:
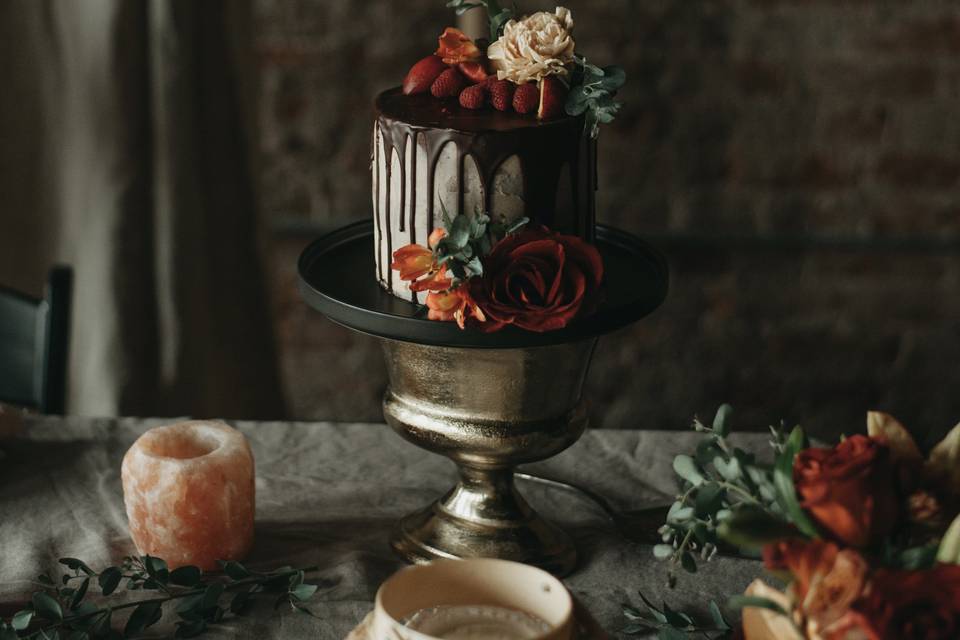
(865, 534)
(529, 65)
(491, 275)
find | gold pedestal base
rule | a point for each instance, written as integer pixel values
(473, 521)
(487, 410)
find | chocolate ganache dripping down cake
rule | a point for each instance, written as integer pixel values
(429, 155)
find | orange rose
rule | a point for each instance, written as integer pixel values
(455, 47)
(412, 261)
(848, 490)
(827, 581)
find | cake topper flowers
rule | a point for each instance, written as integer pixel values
(528, 66)
(491, 275)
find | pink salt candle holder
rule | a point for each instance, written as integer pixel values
(189, 493)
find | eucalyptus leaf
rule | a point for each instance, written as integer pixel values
(303, 591)
(783, 481)
(47, 607)
(718, 620)
(186, 576)
(211, 595)
(728, 468)
(679, 513)
(709, 499)
(654, 611)
(235, 570)
(676, 618)
(686, 468)
(109, 579)
(76, 565)
(662, 551)
(156, 568)
(721, 421)
(669, 633)
(144, 615)
(79, 594)
(752, 527)
(21, 619)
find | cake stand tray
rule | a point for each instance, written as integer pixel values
(488, 402)
(337, 279)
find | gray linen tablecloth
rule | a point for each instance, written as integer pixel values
(327, 495)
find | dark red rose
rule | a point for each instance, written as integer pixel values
(537, 280)
(914, 605)
(849, 490)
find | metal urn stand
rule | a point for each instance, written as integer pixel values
(488, 402)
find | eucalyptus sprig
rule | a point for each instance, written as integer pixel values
(63, 609)
(592, 92)
(469, 238)
(497, 15)
(671, 624)
(727, 496)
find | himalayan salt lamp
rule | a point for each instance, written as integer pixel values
(189, 492)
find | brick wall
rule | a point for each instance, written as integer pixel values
(797, 160)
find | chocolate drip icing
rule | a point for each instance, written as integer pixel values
(490, 138)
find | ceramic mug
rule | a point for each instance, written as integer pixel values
(474, 583)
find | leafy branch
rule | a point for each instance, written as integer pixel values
(671, 624)
(728, 497)
(592, 92)
(61, 610)
(497, 15)
(469, 238)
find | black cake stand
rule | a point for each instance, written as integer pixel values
(488, 401)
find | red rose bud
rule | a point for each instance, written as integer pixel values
(848, 490)
(422, 75)
(537, 280)
(436, 236)
(448, 84)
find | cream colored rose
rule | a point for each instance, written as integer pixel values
(536, 46)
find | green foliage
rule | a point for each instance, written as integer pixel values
(726, 497)
(670, 624)
(468, 239)
(497, 15)
(62, 611)
(783, 479)
(592, 92)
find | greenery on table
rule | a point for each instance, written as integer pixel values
(670, 624)
(728, 496)
(62, 610)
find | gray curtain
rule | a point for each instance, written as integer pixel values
(123, 152)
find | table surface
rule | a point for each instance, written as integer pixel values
(328, 495)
